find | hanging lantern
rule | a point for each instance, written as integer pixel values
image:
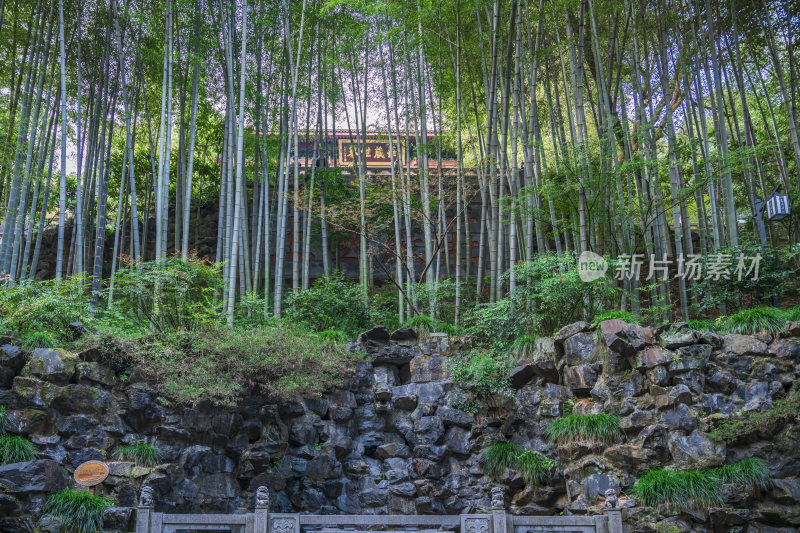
(778, 207)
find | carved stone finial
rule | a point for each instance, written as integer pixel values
(611, 499)
(262, 498)
(146, 496)
(498, 499)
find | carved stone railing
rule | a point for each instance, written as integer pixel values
(261, 521)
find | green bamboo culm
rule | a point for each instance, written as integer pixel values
(80, 511)
(602, 428)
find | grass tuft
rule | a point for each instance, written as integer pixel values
(751, 471)
(80, 511)
(678, 490)
(698, 489)
(141, 453)
(703, 324)
(450, 329)
(421, 324)
(38, 339)
(533, 466)
(755, 320)
(499, 456)
(793, 313)
(595, 428)
(525, 345)
(333, 336)
(16, 449)
(625, 316)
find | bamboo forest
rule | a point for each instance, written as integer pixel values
(465, 155)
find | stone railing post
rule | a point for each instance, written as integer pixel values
(499, 519)
(261, 521)
(612, 512)
(144, 509)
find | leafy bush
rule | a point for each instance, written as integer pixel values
(80, 511)
(331, 303)
(141, 453)
(480, 374)
(600, 428)
(219, 364)
(35, 308)
(501, 322)
(732, 429)
(501, 455)
(16, 449)
(625, 316)
(755, 320)
(168, 295)
(698, 489)
(678, 490)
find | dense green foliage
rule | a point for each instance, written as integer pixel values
(625, 316)
(168, 295)
(698, 489)
(481, 375)
(499, 456)
(80, 511)
(755, 320)
(16, 449)
(36, 308)
(332, 302)
(141, 453)
(602, 428)
(766, 422)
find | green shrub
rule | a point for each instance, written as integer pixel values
(220, 364)
(496, 457)
(533, 466)
(141, 453)
(732, 429)
(480, 374)
(168, 295)
(331, 303)
(37, 308)
(80, 511)
(16, 449)
(37, 339)
(625, 316)
(678, 490)
(755, 320)
(594, 428)
(698, 489)
(451, 329)
(751, 471)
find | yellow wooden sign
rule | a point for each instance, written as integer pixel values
(91, 473)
